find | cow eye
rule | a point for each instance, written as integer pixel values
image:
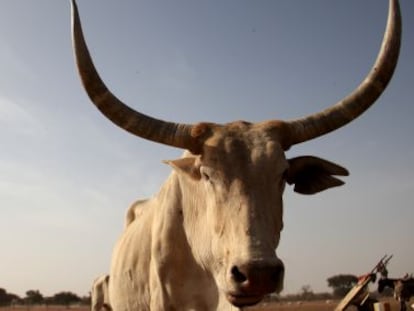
(205, 174)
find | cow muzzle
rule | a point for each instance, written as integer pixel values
(252, 281)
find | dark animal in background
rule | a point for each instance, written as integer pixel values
(403, 289)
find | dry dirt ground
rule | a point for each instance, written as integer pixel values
(311, 306)
(305, 306)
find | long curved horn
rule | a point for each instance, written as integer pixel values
(173, 134)
(363, 96)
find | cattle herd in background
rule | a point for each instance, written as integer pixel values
(360, 297)
(403, 289)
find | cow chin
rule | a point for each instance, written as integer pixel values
(241, 300)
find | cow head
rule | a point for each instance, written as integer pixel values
(242, 170)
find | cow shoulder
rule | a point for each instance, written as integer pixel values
(134, 211)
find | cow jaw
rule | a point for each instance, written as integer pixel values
(243, 300)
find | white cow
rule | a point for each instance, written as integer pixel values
(207, 240)
(100, 295)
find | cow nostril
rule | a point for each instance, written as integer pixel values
(237, 275)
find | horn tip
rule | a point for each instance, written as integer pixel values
(74, 7)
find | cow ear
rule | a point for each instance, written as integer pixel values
(188, 166)
(311, 174)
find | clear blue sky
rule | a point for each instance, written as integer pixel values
(67, 175)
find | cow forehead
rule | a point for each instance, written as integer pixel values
(242, 143)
